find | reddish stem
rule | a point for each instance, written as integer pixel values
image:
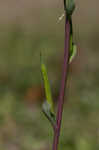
(63, 85)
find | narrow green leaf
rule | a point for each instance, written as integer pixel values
(71, 43)
(74, 52)
(47, 86)
(73, 47)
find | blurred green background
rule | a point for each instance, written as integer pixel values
(26, 28)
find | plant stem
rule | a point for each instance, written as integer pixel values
(63, 85)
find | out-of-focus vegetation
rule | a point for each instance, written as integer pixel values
(26, 28)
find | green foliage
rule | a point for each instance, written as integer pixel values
(73, 52)
(47, 86)
(48, 106)
(70, 6)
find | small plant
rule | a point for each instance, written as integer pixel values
(69, 54)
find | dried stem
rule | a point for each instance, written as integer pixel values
(63, 85)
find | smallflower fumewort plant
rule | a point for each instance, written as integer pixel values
(69, 53)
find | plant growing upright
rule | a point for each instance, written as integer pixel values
(69, 54)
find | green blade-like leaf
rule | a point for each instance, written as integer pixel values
(73, 47)
(47, 86)
(74, 52)
(71, 43)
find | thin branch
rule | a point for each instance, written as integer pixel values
(50, 118)
(63, 85)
